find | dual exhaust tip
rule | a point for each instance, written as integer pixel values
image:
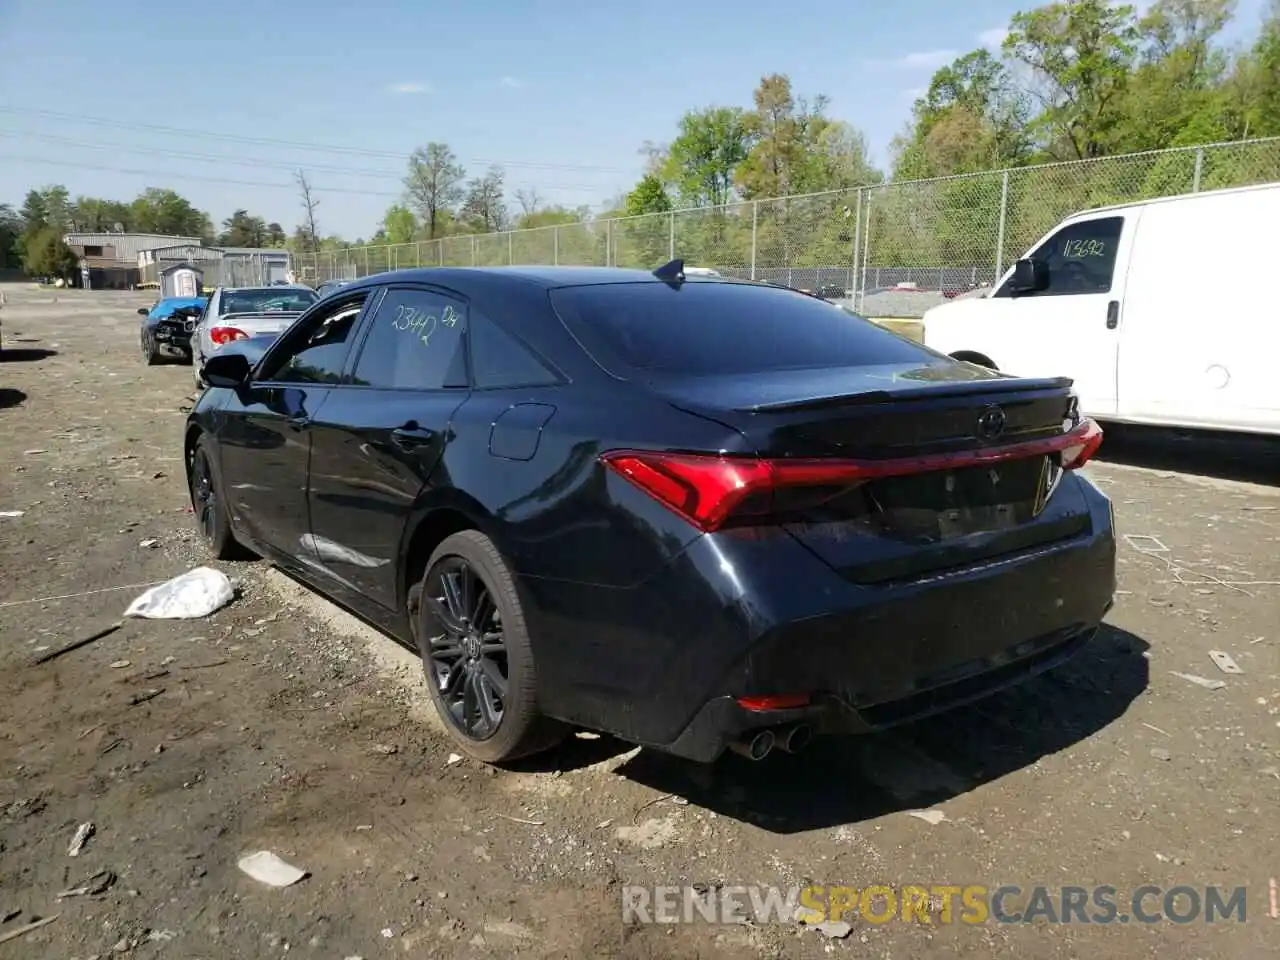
(760, 744)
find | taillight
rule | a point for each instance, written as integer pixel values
(1084, 442)
(709, 490)
(221, 335)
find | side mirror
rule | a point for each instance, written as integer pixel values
(1029, 276)
(226, 369)
(143, 311)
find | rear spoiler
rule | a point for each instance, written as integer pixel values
(919, 390)
(286, 314)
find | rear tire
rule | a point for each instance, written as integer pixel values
(210, 508)
(470, 629)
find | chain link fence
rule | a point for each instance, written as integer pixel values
(890, 250)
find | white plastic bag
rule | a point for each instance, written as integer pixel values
(197, 593)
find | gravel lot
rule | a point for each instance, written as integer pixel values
(281, 724)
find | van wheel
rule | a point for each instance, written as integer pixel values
(475, 648)
(968, 356)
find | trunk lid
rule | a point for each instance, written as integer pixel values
(257, 324)
(905, 526)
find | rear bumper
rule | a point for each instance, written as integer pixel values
(722, 720)
(663, 664)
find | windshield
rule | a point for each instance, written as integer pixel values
(707, 329)
(267, 300)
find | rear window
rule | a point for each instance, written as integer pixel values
(268, 300)
(705, 329)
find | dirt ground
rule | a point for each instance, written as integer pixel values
(281, 724)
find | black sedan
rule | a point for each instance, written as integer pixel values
(697, 514)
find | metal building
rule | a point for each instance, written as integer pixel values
(221, 266)
(112, 259)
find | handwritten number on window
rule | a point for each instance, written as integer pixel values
(415, 321)
(1080, 249)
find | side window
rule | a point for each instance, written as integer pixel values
(414, 343)
(320, 351)
(1081, 258)
(499, 360)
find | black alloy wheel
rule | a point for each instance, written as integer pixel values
(210, 511)
(469, 656)
(470, 629)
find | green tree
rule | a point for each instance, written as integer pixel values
(34, 213)
(550, 217)
(973, 117)
(47, 255)
(10, 231)
(241, 229)
(433, 185)
(163, 211)
(276, 237)
(649, 196)
(95, 215)
(796, 148)
(399, 224)
(1081, 54)
(704, 156)
(1258, 79)
(1176, 95)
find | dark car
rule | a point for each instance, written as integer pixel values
(329, 286)
(167, 327)
(693, 513)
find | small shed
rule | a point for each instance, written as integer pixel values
(181, 280)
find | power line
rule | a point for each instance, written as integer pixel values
(254, 162)
(293, 144)
(170, 175)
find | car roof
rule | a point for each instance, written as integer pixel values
(267, 286)
(541, 276)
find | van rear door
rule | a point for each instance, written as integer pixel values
(1200, 333)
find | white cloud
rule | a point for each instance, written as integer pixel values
(993, 37)
(927, 59)
(409, 88)
(511, 83)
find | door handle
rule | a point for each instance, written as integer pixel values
(412, 437)
(299, 423)
(1113, 314)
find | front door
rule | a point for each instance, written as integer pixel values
(382, 435)
(267, 437)
(1071, 327)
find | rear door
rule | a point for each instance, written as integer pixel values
(1199, 335)
(1072, 327)
(382, 433)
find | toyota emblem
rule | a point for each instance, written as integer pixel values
(991, 423)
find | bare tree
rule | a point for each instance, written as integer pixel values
(530, 202)
(433, 184)
(655, 157)
(309, 204)
(486, 204)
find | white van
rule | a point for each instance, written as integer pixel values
(1165, 312)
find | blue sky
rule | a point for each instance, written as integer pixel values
(561, 94)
